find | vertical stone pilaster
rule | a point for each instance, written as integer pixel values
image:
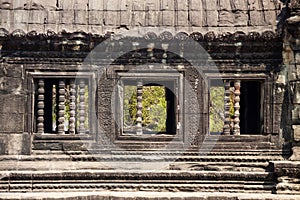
(40, 106)
(139, 119)
(81, 106)
(237, 93)
(61, 106)
(72, 107)
(226, 129)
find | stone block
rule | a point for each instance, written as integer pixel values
(296, 92)
(40, 28)
(3, 146)
(14, 71)
(182, 5)
(226, 18)
(95, 17)
(268, 4)
(138, 5)
(81, 17)
(48, 5)
(26, 144)
(12, 104)
(11, 85)
(11, 122)
(210, 5)
(182, 18)
(196, 18)
(125, 5)
(81, 4)
(125, 18)
(296, 155)
(196, 5)
(66, 17)
(16, 143)
(256, 18)
(138, 18)
(241, 5)
(96, 4)
(152, 5)
(113, 5)
(21, 16)
(111, 18)
(37, 17)
(152, 18)
(66, 4)
(18, 4)
(167, 5)
(240, 18)
(212, 18)
(270, 17)
(53, 17)
(6, 17)
(225, 5)
(168, 18)
(254, 5)
(296, 133)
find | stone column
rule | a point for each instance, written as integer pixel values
(288, 171)
(291, 59)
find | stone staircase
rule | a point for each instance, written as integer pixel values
(236, 165)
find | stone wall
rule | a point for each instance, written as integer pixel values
(101, 16)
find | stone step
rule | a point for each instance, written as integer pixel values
(136, 180)
(144, 157)
(145, 195)
(72, 145)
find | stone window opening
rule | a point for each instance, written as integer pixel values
(61, 106)
(236, 107)
(149, 105)
(148, 108)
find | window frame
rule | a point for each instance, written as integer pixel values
(33, 75)
(150, 76)
(266, 102)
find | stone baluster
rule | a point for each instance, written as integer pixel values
(61, 106)
(81, 106)
(237, 93)
(40, 106)
(150, 48)
(226, 129)
(139, 120)
(165, 54)
(72, 120)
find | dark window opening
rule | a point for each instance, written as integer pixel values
(235, 107)
(251, 107)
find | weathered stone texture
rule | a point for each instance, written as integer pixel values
(52, 14)
(296, 133)
(11, 122)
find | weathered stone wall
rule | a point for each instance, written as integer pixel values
(12, 110)
(101, 16)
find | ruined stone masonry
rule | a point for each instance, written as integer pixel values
(73, 114)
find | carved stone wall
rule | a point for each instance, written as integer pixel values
(100, 16)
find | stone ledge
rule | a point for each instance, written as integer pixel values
(106, 195)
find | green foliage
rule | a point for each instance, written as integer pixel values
(154, 104)
(216, 115)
